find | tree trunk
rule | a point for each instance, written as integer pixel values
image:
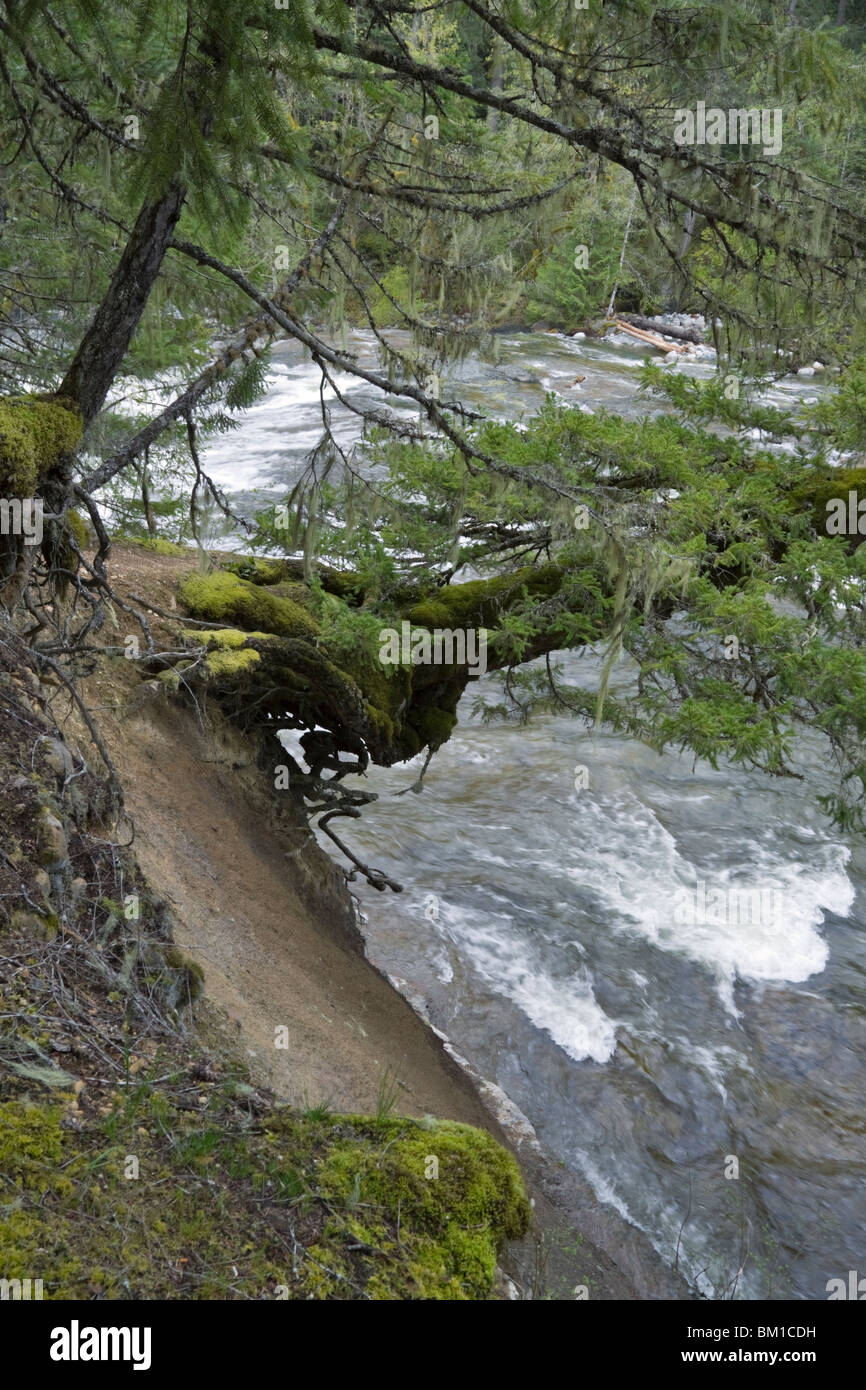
(671, 292)
(612, 300)
(104, 345)
(496, 73)
(145, 500)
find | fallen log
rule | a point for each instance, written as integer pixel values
(688, 335)
(651, 338)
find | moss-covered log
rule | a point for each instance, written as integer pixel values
(286, 653)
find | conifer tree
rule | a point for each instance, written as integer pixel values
(188, 184)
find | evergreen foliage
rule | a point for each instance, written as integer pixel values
(189, 185)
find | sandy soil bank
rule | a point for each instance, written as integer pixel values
(268, 916)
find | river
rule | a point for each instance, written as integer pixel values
(707, 1080)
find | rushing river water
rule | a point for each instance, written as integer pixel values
(704, 1071)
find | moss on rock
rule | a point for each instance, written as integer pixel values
(43, 925)
(257, 570)
(158, 545)
(457, 1193)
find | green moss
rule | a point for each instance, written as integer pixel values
(279, 575)
(455, 1222)
(326, 1272)
(258, 571)
(30, 1143)
(78, 526)
(155, 544)
(478, 602)
(229, 654)
(223, 638)
(434, 726)
(381, 721)
(44, 925)
(196, 1223)
(224, 596)
(189, 985)
(35, 433)
(222, 663)
(298, 593)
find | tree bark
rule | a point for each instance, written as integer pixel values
(145, 500)
(104, 345)
(671, 291)
(496, 78)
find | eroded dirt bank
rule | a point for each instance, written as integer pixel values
(268, 917)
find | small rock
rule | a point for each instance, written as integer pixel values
(805, 371)
(59, 758)
(42, 883)
(53, 849)
(78, 887)
(42, 927)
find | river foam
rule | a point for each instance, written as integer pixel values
(634, 866)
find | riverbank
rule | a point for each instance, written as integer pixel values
(139, 1158)
(267, 916)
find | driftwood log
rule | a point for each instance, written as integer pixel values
(688, 335)
(651, 339)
